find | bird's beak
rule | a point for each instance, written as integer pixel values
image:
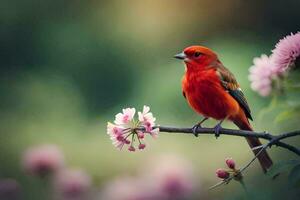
(180, 56)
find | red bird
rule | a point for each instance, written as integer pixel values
(212, 91)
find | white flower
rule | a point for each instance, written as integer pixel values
(127, 130)
(126, 117)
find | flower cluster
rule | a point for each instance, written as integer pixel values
(267, 69)
(126, 129)
(226, 173)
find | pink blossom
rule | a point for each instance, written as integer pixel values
(171, 176)
(222, 173)
(147, 119)
(261, 75)
(72, 183)
(126, 117)
(230, 163)
(117, 135)
(129, 188)
(286, 52)
(43, 160)
(126, 129)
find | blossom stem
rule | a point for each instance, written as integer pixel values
(139, 140)
(125, 140)
(132, 139)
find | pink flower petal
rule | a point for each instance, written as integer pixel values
(261, 75)
(286, 51)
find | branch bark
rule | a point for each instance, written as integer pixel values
(273, 139)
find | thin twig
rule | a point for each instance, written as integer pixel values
(254, 158)
(220, 183)
(263, 148)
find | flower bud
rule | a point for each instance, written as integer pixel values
(131, 148)
(142, 146)
(230, 163)
(141, 135)
(127, 141)
(223, 174)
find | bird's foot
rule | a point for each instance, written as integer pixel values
(217, 129)
(198, 125)
(195, 128)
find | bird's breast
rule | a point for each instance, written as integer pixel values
(206, 95)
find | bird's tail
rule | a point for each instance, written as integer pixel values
(263, 158)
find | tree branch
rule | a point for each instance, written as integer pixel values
(273, 139)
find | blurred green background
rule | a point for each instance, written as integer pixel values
(67, 67)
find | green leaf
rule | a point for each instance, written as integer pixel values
(282, 166)
(294, 176)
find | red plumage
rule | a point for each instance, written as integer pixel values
(212, 91)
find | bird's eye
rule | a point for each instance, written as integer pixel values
(197, 54)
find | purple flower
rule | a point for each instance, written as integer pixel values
(286, 52)
(43, 160)
(72, 184)
(262, 74)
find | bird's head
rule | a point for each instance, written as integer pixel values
(197, 57)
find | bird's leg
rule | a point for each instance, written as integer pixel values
(198, 125)
(217, 128)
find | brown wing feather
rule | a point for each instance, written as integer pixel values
(231, 85)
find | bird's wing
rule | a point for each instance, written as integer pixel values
(230, 84)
